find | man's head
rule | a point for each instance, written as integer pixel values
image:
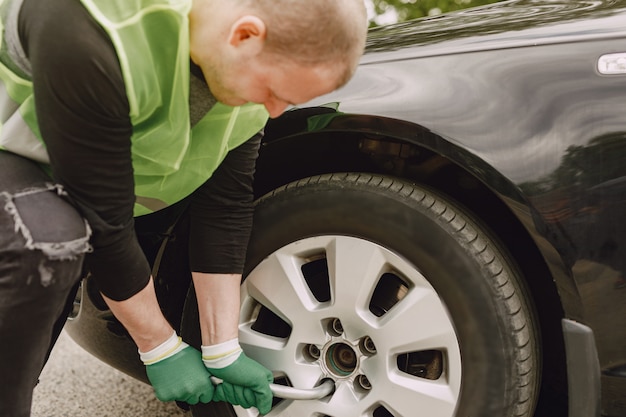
(276, 52)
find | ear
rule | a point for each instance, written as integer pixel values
(248, 33)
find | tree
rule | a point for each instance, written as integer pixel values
(391, 11)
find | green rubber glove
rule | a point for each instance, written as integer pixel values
(180, 376)
(245, 381)
(235, 394)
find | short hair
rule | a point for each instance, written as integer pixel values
(315, 32)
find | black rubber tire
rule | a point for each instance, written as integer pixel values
(470, 271)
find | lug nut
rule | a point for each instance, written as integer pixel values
(367, 346)
(313, 351)
(336, 327)
(364, 382)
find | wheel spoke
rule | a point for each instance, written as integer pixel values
(279, 357)
(277, 283)
(345, 403)
(274, 353)
(297, 408)
(417, 322)
(355, 267)
(401, 394)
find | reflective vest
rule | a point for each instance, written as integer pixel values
(151, 38)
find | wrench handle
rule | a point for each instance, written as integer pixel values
(291, 393)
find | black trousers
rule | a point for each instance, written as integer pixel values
(43, 240)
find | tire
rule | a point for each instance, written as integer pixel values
(394, 292)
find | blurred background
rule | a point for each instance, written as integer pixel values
(383, 12)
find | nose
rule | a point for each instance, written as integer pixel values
(275, 107)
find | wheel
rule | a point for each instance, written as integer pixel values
(393, 292)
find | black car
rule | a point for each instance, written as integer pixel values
(444, 236)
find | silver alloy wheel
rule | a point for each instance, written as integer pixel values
(349, 310)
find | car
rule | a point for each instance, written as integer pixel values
(443, 236)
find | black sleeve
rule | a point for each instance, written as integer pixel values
(83, 115)
(222, 211)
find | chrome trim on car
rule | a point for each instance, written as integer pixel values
(612, 64)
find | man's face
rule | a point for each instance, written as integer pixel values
(274, 83)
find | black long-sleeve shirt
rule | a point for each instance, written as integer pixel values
(83, 114)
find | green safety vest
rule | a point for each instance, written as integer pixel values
(170, 159)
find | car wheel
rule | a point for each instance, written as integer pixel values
(392, 291)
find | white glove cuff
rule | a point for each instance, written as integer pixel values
(170, 347)
(221, 355)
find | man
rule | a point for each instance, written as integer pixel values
(96, 128)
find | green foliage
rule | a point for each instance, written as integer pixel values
(390, 11)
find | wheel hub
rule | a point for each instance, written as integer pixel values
(341, 359)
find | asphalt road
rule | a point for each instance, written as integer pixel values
(76, 384)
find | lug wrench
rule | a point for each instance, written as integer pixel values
(291, 393)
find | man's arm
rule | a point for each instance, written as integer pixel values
(218, 297)
(221, 222)
(142, 317)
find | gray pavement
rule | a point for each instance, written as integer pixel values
(76, 384)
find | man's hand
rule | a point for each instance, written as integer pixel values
(177, 373)
(245, 381)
